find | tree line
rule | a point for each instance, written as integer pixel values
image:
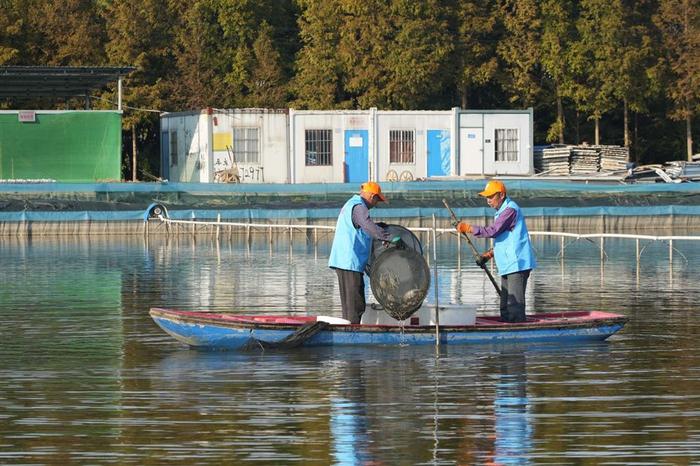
(601, 71)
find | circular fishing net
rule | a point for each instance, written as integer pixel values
(409, 240)
(399, 278)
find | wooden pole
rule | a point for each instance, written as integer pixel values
(476, 253)
(133, 152)
(435, 285)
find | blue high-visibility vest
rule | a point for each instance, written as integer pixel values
(351, 246)
(512, 250)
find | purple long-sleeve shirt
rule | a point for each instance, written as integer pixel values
(505, 221)
(361, 219)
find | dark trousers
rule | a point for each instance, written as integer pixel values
(352, 294)
(513, 288)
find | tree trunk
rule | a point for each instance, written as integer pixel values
(597, 131)
(626, 123)
(560, 118)
(578, 134)
(133, 152)
(689, 137)
(464, 98)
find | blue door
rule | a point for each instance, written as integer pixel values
(438, 152)
(356, 156)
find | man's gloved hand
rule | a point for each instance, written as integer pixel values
(464, 227)
(484, 258)
(398, 242)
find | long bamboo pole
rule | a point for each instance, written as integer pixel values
(476, 253)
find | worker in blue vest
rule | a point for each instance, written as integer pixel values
(352, 246)
(512, 249)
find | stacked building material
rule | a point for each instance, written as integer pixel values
(561, 160)
(552, 160)
(613, 158)
(584, 159)
(537, 158)
(683, 170)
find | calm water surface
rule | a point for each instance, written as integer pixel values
(87, 378)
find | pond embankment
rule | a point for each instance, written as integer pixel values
(38, 209)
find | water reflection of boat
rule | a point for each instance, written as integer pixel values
(231, 331)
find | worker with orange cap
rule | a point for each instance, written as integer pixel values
(352, 245)
(512, 249)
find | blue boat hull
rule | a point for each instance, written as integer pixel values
(199, 330)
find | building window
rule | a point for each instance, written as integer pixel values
(319, 147)
(507, 145)
(401, 146)
(173, 148)
(245, 145)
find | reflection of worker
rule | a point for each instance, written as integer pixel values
(512, 249)
(348, 415)
(511, 406)
(352, 245)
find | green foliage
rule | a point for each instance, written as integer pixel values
(386, 54)
(519, 49)
(476, 64)
(595, 59)
(318, 79)
(417, 54)
(554, 130)
(564, 58)
(679, 25)
(196, 54)
(637, 48)
(266, 85)
(364, 41)
(558, 32)
(69, 32)
(13, 30)
(141, 34)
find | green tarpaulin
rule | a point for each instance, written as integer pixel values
(72, 146)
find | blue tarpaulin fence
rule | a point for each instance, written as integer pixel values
(297, 197)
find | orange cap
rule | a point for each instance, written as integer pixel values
(493, 187)
(373, 188)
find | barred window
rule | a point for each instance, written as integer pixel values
(319, 147)
(507, 145)
(173, 147)
(245, 145)
(401, 146)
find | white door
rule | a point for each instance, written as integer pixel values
(471, 151)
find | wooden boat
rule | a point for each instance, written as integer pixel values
(223, 331)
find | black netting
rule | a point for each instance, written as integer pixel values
(399, 275)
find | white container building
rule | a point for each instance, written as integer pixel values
(214, 145)
(336, 146)
(496, 142)
(358, 145)
(354, 146)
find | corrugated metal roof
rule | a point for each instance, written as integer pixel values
(56, 81)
